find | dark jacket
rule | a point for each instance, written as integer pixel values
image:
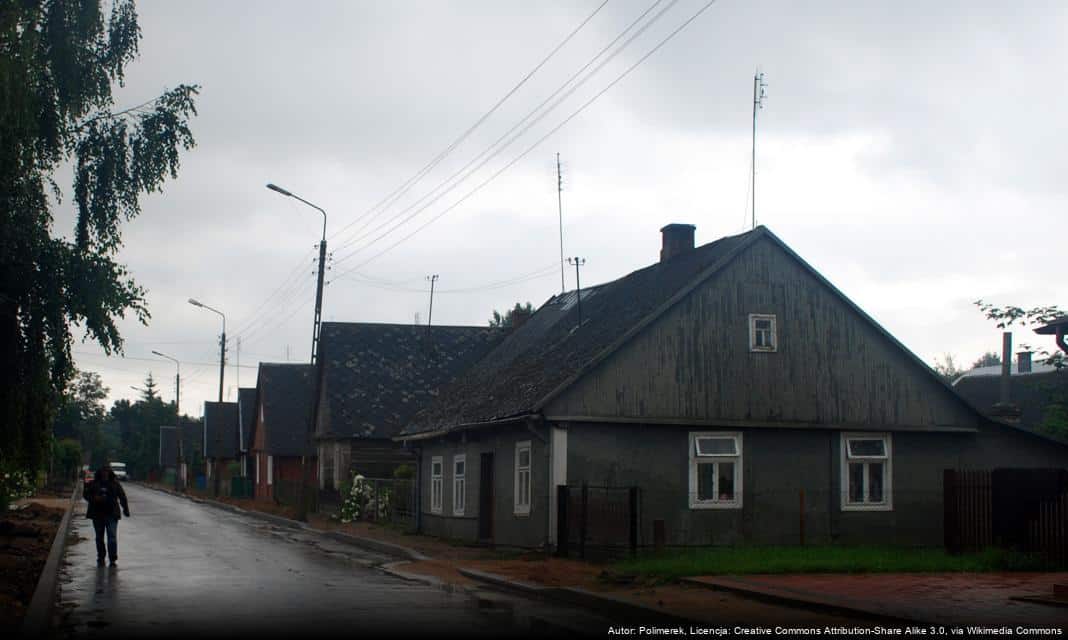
(104, 495)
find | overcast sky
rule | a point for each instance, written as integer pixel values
(912, 154)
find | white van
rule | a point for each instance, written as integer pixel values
(119, 468)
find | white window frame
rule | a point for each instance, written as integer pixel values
(270, 470)
(753, 317)
(522, 499)
(698, 460)
(437, 491)
(887, 503)
(459, 485)
(257, 457)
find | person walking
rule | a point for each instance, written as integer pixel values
(105, 495)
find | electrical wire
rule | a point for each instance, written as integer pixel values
(574, 114)
(496, 148)
(407, 185)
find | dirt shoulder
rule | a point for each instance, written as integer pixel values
(26, 537)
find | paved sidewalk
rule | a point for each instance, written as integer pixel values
(949, 599)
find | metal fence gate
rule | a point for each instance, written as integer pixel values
(597, 522)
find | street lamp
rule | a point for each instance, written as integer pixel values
(302, 513)
(222, 370)
(179, 478)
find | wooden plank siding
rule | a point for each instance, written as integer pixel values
(833, 367)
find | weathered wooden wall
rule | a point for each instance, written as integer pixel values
(832, 367)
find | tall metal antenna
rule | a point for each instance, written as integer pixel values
(759, 93)
(560, 210)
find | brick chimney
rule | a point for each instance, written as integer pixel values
(1023, 362)
(676, 239)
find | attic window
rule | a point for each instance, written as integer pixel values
(763, 333)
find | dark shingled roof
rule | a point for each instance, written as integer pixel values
(192, 439)
(286, 391)
(168, 447)
(220, 430)
(547, 350)
(377, 376)
(1032, 393)
(246, 414)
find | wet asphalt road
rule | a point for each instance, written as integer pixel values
(187, 569)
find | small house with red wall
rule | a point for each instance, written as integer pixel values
(280, 444)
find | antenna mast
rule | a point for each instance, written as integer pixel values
(560, 210)
(759, 93)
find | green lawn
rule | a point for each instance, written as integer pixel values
(819, 559)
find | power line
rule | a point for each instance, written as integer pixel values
(400, 191)
(498, 284)
(497, 147)
(582, 108)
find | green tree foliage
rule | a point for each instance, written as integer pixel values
(947, 368)
(518, 312)
(67, 459)
(988, 359)
(58, 63)
(1008, 316)
(1055, 413)
(139, 424)
(81, 413)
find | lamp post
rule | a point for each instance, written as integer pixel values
(302, 509)
(222, 373)
(179, 478)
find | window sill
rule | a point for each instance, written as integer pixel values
(716, 505)
(868, 507)
(521, 514)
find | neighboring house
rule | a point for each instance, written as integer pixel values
(740, 391)
(220, 443)
(279, 443)
(373, 379)
(1039, 393)
(246, 415)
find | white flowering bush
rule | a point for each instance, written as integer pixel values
(14, 485)
(360, 502)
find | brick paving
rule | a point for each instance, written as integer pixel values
(952, 599)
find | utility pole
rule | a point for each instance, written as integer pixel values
(179, 480)
(302, 509)
(759, 93)
(560, 210)
(238, 373)
(578, 262)
(222, 359)
(430, 315)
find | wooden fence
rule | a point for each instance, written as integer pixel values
(1020, 509)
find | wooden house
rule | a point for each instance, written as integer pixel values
(745, 398)
(220, 445)
(372, 380)
(280, 443)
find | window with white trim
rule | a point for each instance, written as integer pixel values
(436, 466)
(866, 472)
(522, 478)
(763, 333)
(270, 470)
(715, 470)
(459, 484)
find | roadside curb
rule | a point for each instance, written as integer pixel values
(387, 548)
(805, 599)
(44, 595)
(619, 608)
